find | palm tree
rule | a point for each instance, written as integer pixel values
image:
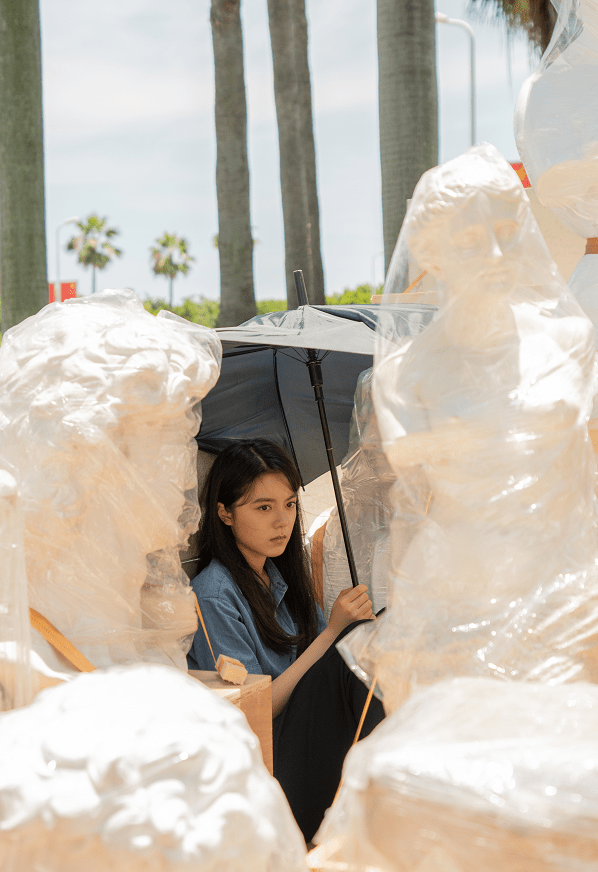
(93, 244)
(535, 17)
(235, 245)
(171, 258)
(22, 211)
(292, 93)
(408, 99)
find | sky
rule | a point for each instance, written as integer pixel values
(129, 132)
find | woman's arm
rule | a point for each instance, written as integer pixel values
(352, 604)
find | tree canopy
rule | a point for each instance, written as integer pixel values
(171, 257)
(536, 18)
(93, 245)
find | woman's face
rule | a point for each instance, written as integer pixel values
(262, 522)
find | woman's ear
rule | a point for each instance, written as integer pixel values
(224, 515)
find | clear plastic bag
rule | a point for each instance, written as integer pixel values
(16, 680)
(470, 775)
(556, 119)
(366, 483)
(99, 406)
(490, 402)
(139, 769)
(556, 126)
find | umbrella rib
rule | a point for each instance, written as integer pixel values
(303, 360)
(284, 417)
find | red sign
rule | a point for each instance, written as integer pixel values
(520, 170)
(68, 290)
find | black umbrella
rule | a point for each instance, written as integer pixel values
(262, 389)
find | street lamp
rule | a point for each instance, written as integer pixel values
(74, 220)
(441, 18)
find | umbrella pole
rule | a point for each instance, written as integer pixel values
(315, 374)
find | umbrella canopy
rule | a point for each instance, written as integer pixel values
(264, 387)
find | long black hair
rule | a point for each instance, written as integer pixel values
(231, 478)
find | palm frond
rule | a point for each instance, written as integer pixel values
(169, 255)
(535, 18)
(91, 244)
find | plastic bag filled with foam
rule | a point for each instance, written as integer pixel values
(556, 126)
(99, 404)
(470, 775)
(139, 769)
(556, 119)
(366, 484)
(490, 402)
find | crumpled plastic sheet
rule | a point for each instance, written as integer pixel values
(99, 406)
(366, 482)
(490, 402)
(139, 769)
(470, 775)
(16, 681)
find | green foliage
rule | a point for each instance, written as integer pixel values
(171, 257)
(93, 244)
(265, 306)
(206, 311)
(360, 296)
(203, 312)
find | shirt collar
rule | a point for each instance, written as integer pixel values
(278, 586)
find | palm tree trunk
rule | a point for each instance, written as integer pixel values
(408, 99)
(22, 212)
(292, 92)
(170, 291)
(93, 279)
(235, 243)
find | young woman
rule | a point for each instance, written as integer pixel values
(257, 602)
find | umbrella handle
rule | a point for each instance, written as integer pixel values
(315, 374)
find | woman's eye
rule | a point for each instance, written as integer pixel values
(292, 505)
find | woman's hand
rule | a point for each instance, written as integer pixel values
(352, 604)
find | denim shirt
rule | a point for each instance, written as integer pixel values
(231, 626)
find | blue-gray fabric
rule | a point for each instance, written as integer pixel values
(231, 626)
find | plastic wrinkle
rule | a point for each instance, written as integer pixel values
(490, 405)
(366, 484)
(472, 774)
(100, 403)
(16, 678)
(139, 769)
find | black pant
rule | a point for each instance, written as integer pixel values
(315, 730)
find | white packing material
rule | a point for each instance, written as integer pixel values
(490, 402)
(472, 774)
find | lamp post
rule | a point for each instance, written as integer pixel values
(441, 18)
(74, 220)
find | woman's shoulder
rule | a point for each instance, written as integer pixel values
(213, 581)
